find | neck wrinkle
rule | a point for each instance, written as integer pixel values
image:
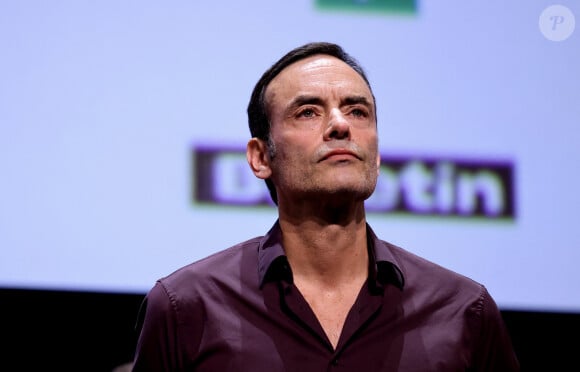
(324, 252)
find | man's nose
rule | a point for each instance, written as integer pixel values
(338, 126)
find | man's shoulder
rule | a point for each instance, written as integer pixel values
(225, 266)
(423, 272)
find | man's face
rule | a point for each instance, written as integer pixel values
(323, 131)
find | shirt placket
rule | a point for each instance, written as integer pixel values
(363, 309)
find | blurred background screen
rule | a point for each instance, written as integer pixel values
(123, 129)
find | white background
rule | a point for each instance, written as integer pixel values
(102, 102)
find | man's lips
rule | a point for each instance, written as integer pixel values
(339, 153)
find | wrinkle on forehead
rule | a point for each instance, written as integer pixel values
(319, 64)
(315, 71)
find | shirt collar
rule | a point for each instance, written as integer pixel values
(273, 264)
(386, 268)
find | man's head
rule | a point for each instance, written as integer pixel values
(324, 64)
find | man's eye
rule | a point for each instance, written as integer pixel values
(308, 113)
(358, 113)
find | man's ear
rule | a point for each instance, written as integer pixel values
(258, 158)
(378, 164)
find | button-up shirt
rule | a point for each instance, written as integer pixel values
(238, 310)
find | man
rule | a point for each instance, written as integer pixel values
(318, 292)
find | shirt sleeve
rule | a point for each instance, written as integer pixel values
(493, 349)
(157, 345)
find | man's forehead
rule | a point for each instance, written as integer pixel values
(311, 70)
(314, 63)
(319, 60)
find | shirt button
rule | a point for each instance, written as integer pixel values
(335, 362)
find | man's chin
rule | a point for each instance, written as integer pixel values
(345, 193)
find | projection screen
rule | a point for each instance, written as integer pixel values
(123, 130)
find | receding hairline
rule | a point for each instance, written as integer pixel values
(268, 95)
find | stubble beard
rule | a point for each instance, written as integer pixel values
(314, 188)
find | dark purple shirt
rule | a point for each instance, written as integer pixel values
(238, 310)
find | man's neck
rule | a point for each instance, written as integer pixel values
(329, 247)
(329, 261)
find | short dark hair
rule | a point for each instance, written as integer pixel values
(258, 118)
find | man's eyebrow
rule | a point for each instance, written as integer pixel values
(355, 100)
(305, 100)
(316, 100)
